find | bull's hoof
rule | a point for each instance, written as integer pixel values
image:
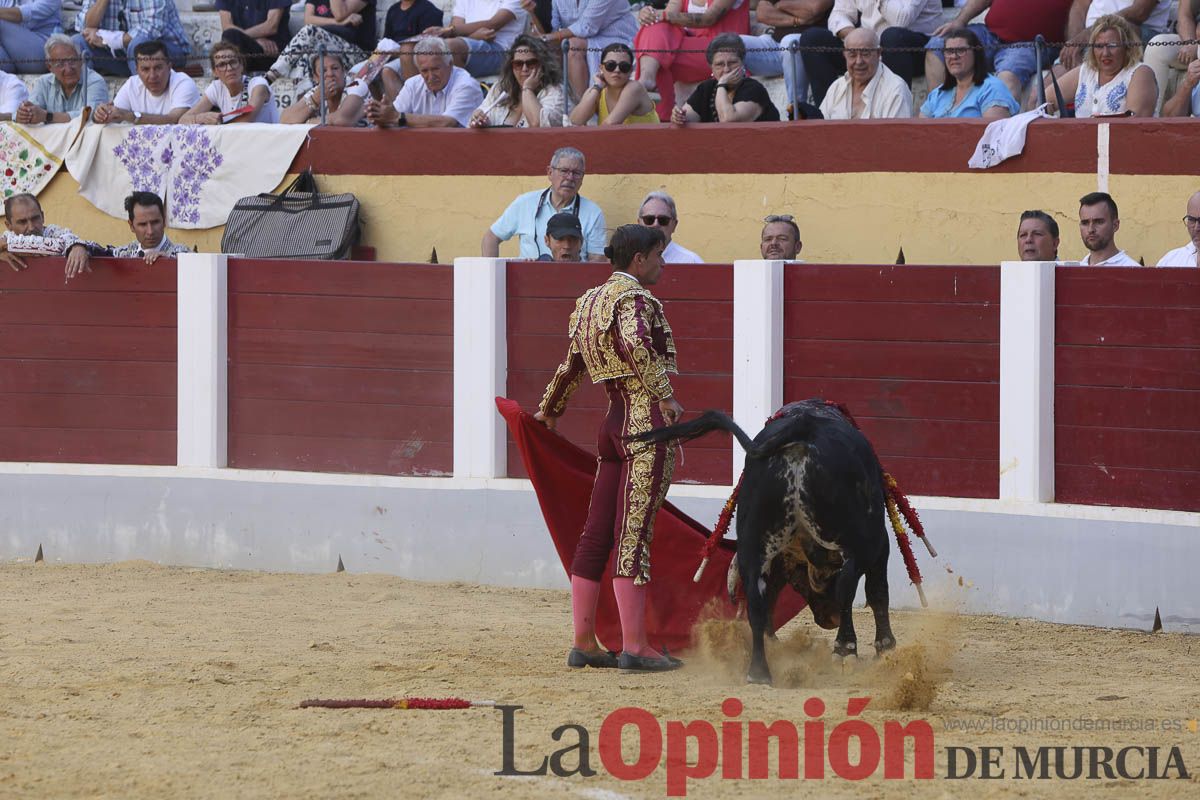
(763, 678)
(844, 649)
(883, 645)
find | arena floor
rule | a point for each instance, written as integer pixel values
(138, 681)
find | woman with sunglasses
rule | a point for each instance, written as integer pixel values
(590, 26)
(231, 91)
(614, 97)
(528, 95)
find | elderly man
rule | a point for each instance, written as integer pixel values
(1008, 22)
(60, 95)
(113, 29)
(478, 36)
(564, 238)
(780, 238)
(528, 215)
(897, 23)
(12, 94)
(1098, 226)
(658, 210)
(1037, 236)
(1188, 255)
(868, 90)
(28, 234)
(441, 95)
(156, 95)
(147, 221)
(24, 28)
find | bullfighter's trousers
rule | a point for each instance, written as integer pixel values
(631, 482)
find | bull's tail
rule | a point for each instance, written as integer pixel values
(705, 423)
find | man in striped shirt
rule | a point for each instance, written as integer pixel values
(111, 29)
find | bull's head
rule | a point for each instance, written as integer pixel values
(821, 601)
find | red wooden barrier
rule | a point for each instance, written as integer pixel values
(914, 353)
(699, 305)
(1127, 387)
(87, 368)
(341, 367)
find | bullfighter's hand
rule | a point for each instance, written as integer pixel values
(671, 410)
(549, 422)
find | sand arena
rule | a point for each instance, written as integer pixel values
(134, 680)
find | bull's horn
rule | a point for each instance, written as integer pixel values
(700, 570)
(921, 592)
(929, 546)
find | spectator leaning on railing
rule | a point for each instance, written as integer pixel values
(147, 222)
(59, 96)
(28, 234)
(259, 28)
(968, 90)
(1112, 80)
(615, 98)
(307, 107)
(231, 91)
(156, 95)
(24, 29)
(113, 29)
(441, 95)
(529, 93)
(1188, 255)
(868, 90)
(728, 96)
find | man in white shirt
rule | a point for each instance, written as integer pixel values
(12, 94)
(898, 24)
(1188, 255)
(658, 210)
(1037, 236)
(479, 35)
(441, 95)
(28, 234)
(868, 90)
(148, 223)
(1098, 225)
(157, 95)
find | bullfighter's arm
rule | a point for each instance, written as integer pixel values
(564, 383)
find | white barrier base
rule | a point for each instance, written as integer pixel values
(1076, 564)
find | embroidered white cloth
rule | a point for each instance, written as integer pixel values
(199, 171)
(25, 165)
(1003, 139)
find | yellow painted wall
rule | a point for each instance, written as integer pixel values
(957, 218)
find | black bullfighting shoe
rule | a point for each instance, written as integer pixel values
(629, 663)
(578, 659)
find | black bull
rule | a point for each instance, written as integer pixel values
(810, 514)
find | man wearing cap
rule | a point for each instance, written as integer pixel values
(658, 208)
(564, 238)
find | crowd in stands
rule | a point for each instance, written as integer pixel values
(854, 59)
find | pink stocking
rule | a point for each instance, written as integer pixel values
(584, 596)
(631, 604)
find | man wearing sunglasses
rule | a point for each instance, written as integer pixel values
(658, 211)
(528, 215)
(1189, 254)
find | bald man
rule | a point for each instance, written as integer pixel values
(868, 90)
(1188, 255)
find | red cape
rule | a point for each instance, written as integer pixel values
(562, 476)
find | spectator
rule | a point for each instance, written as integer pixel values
(58, 96)
(440, 96)
(12, 95)
(1150, 15)
(658, 209)
(968, 90)
(29, 234)
(528, 94)
(1009, 22)
(232, 91)
(259, 29)
(590, 27)
(1098, 225)
(24, 28)
(614, 98)
(1112, 80)
(672, 43)
(728, 96)
(868, 90)
(307, 107)
(109, 28)
(405, 20)
(1037, 237)
(344, 27)
(770, 54)
(156, 95)
(147, 221)
(528, 215)
(1188, 255)
(1186, 99)
(564, 238)
(897, 23)
(479, 34)
(780, 238)
(1165, 52)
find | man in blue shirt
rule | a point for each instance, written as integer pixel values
(259, 28)
(111, 29)
(528, 214)
(24, 28)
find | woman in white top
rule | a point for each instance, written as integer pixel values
(529, 95)
(231, 91)
(1112, 80)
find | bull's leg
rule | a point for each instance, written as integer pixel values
(877, 599)
(758, 610)
(846, 585)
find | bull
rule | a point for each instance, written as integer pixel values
(810, 514)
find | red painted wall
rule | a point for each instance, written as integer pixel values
(87, 368)
(699, 305)
(1127, 387)
(341, 367)
(914, 353)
